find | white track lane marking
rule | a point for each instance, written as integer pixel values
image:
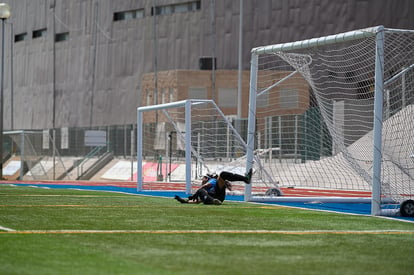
(282, 232)
(6, 229)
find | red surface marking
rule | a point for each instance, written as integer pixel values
(149, 170)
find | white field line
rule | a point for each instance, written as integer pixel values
(281, 232)
(2, 228)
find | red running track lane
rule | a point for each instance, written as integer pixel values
(179, 186)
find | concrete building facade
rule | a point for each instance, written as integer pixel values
(81, 63)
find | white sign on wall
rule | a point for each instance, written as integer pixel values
(45, 139)
(64, 138)
(95, 138)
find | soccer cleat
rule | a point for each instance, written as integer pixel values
(249, 176)
(178, 198)
(216, 202)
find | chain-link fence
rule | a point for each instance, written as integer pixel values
(66, 153)
(85, 153)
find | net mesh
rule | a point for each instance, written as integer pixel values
(315, 108)
(216, 145)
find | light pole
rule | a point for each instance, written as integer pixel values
(4, 14)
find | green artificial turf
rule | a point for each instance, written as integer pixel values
(146, 235)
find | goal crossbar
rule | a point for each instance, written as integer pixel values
(321, 41)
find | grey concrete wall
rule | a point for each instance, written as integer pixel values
(98, 71)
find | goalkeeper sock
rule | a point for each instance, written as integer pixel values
(178, 198)
(249, 176)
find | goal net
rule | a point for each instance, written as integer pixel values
(335, 115)
(181, 141)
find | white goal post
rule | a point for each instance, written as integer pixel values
(340, 106)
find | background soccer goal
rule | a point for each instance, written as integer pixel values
(336, 113)
(184, 140)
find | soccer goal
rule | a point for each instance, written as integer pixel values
(335, 115)
(181, 141)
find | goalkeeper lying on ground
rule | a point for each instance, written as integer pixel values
(213, 188)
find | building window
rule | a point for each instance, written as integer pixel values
(20, 37)
(227, 97)
(164, 95)
(176, 8)
(128, 15)
(171, 94)
(39, 33)
(197, 93)
(59, 37)
(288, 99)
(262, 100)
(149, 97)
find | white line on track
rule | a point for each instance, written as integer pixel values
(282, 232)
(6, 229)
